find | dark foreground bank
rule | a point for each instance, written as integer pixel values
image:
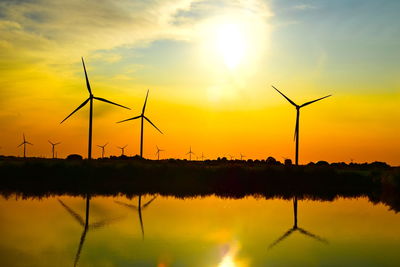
(236, 179)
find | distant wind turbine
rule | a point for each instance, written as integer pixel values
(231, 157)
(296, 132)
(122, 149)
(142, 117)
(296, 228)
(90, 100)
(158, 152)
(102, 149)
(190, 153)
(24, 143)
(242, 156)
(53, 146)
(202, 156)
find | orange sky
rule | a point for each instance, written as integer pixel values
(209, 68)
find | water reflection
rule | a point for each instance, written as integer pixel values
(85, 224)
(296, 228)
(138, 208)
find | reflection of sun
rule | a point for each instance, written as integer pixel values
(227, 261)
(231, 44)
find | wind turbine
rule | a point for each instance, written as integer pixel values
(298, 107)
(202, 156)
(102, 149)
(296, 228)
(230, 156)
(122, 149)
(90, 100)
(53, 146)
(24, 143)
(158, 152)
(138, 208)
(190, 153)
(85, 224)
(242, 156)
(142, 117)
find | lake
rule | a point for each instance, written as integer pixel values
(209, 231)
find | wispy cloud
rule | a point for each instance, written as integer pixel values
(304, 7)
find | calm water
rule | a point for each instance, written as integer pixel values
(58, 231)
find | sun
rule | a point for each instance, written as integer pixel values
(230, 43)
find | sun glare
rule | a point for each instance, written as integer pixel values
(231, 44)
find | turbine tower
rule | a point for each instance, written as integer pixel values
(90, 100)
(102, 149)
(298, 107)
(53, 147)
(190, 153)
(158, 152)
(24, 143)
(122, 149)
(142, 117)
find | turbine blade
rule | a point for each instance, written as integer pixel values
(152, 124)
(124, 146)
(287, 98)
(104, 222)
(134, 118)
(280, 239)
(50, 142)
(99, 146)
(126, 205)
(75, 215)
(296, 129)
(78, 108)
(21, 144)
(82, 240)
(108, 101)
(145, 102)
(149, 202)
(23, 135)
(57, 143)
(308, 103)
(87, 79)
(29, 143)
(309, 234)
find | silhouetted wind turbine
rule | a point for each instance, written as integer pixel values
(102, 149)
(138, 208)
(242, 156)
(202, 156)
(296, 132)
(190, 153)
(158, 152)
(296, 228)
(24, 143)
(142, 117)
(90, 100)
(231, 157)
(85, 224)
(122, 149)
(53, 146)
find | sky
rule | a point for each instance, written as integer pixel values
(209, 66)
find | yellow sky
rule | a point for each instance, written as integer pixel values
(209, 68)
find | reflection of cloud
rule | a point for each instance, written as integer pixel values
(304, 7)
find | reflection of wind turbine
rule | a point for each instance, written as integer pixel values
(90, 100)
(296, 131)
(85, 224)
(102, 149)
(296, 228)
(122, 149)
(138, 208)
(53, 146)
(158, 152)
(24, 143)
(142, 116)
(190, 153)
